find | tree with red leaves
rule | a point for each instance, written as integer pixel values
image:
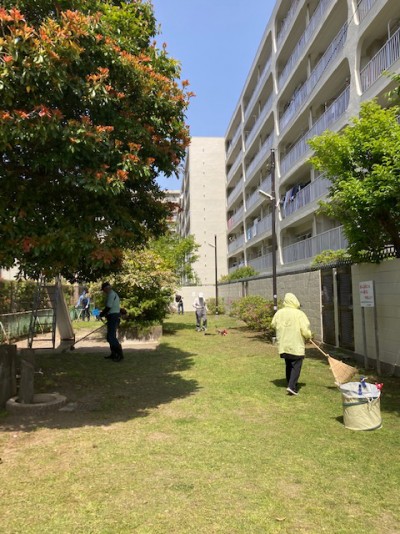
(91, 111)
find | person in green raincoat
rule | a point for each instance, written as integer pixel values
(292, 330)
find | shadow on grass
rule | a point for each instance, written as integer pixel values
(281, 383)
(105, 392)
(170, 329)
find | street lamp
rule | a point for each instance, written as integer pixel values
(216, 272)
(272, 198)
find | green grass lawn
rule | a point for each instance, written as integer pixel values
(198, 436)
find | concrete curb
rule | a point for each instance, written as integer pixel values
(42, 403)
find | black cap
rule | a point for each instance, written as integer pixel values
(104, 285)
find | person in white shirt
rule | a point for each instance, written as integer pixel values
(200, 307)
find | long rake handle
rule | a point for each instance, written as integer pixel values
(319, 348)
(90, 333)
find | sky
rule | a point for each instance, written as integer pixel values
(216, 42)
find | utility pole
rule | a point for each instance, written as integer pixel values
(216, 274)
(272, 198)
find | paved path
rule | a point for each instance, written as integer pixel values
(93, 343)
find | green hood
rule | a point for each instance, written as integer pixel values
(291, 301)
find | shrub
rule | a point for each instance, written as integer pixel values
(329, 257)
(256, 312)
(145, 285)
(212, 308)
(242, 272)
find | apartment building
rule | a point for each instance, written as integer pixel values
(317, 62)
(203, 205)
(172, 198)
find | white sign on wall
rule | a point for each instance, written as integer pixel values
(367, 298)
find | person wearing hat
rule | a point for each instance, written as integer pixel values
(112, 312)
(200, 307)
(292, 329)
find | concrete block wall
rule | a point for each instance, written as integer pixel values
(306, 286)
(386, 276)
(188, 293)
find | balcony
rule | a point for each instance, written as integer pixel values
(259, 228)
(260, 82)
(235, 192)
(235, 166)
(387, 55)
(238, 216)
(256, 198)
(331, 115)
(286, 22)
(234, 245)
(259, 157)
(260, 119)
(233, 142)
(308, 248)
(317, 16)
(364, 7)
(262, 263)
(302, 94)
(316, 189)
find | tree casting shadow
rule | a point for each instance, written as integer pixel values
(105, 392)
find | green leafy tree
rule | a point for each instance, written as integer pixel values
(363, 164)
(91, 111)
(146, 285)
(179, 253)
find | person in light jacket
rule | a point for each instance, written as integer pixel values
(200, 307)
(292, 330)
(112, 312)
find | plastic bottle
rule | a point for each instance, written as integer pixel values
(363, 382)
(360, 389)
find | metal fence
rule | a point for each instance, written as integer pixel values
(386, 56)
(16, 325)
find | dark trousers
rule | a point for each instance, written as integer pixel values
(113, 320)
(201, 315)
(180, 307)
(293, 369)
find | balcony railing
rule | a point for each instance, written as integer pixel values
(259, 228)
(233, 142)
(262, 116)
(259, 157)
(386, 56)
(256, 197)
(235, 218)
(308, 248)
(235, 166)
(287, 20)
(235, 267)
(235, 192)
(234, 245)
(317, 16)
(331, 115)
(302, 94)
(308, 194)
(262, 263)
(364, 7)
(260, 82)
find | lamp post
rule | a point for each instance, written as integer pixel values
(272, 198)
(216, 272)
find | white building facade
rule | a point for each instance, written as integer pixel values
(203, 205)
(317, 62)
